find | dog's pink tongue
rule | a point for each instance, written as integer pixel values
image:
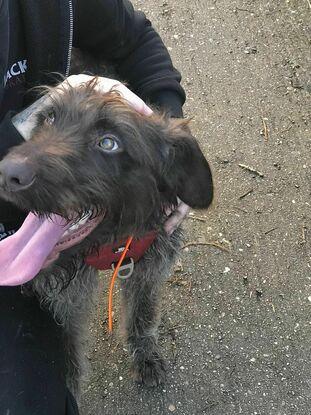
(23, 254)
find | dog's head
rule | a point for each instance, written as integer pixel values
(92, 151)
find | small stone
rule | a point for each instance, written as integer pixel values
(217, 357)
(258, 293)
(178, 266)
(250, 50)
(176, 37)
(172, 408)
(252, 360)
(227, 269)
(309, 298)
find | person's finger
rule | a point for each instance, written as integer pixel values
(134, 101)
(106, 84)
(176, 218)
(76, 80)
(170, 209)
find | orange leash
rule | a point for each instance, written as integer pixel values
(114, 276)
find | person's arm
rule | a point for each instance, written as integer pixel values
(114, 31)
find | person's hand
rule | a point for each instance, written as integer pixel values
(175, 217)
(105, 85)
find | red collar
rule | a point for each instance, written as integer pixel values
(108, 255)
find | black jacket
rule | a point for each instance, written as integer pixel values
(110, 29)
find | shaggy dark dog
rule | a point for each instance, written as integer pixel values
(91, 151)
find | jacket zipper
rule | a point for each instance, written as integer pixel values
(70, 37)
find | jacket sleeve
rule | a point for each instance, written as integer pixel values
(113, 31)
(9, 136)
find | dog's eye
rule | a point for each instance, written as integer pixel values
(108, 143)
(50, 117)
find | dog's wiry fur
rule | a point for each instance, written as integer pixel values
(158, 161)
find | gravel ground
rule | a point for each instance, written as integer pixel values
(236, 325)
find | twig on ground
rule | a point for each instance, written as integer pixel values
(246, 194)
(174, 350)
(270, 230)
(117, 346)
(251, 169)
(199, 218)
(170, 330)
(215, 244)
(242, 210)
(178, 280)
(265, 129)
(285, 130)
(303, 232)
(243, 10)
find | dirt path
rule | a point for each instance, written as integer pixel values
(236, 328)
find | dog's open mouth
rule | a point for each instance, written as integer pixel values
(78, 230)
(73, 235)
(38, 243)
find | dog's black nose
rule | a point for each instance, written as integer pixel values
(16, 174)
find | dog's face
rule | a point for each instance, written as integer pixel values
(91, 151)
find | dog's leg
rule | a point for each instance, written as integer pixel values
(141, 294)
(79, 300)
(71, 307)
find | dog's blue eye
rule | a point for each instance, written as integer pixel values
(108, 143)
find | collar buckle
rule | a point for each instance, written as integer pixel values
(126, 269)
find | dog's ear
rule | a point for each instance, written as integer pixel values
(187, 171)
